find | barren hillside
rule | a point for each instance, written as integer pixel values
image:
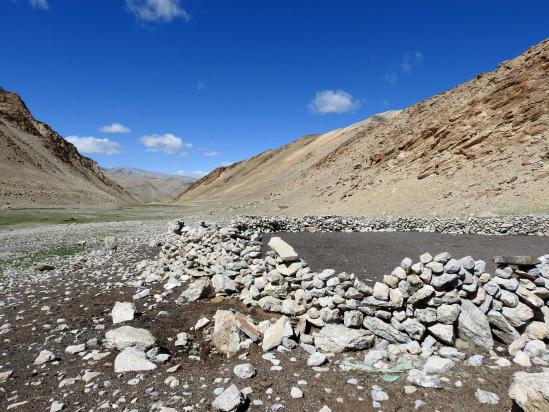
(38, 167)
(149, 187)
(482, 148)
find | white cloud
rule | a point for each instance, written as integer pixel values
(167, 143)
(211, 153)
(154, 11)
(40, 4)
(90, 144)
(115, 128)
(333, 101)
(225, 164)
(194, 173)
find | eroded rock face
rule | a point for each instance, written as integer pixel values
(530, 391)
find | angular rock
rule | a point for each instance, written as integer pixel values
(519, 315)
(275, 334)
(132, 359)
(316, 359)
(384, 330)
(436, 364)
(229, 400)
(282, 249)
(448, 314)
(128, 336)
(226, 333)
(420, 378)
(334, 338)
(505, 331)
(422, 294)
(530, 391)
(122, 312)
(442, 332)
(473, 326)
(486, 398)
(200, 288)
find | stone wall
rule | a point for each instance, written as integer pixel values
(432, 300)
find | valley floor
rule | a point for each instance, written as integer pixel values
(71, 304)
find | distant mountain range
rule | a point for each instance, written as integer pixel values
(149, 187)
(481, 147)
(38, 167)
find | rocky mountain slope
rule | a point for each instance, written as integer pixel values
(481, 147)
(149, 187)
(38, 167)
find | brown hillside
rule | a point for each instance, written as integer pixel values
(38, 167)
(481, 147)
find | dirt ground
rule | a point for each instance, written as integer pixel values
(81, 297)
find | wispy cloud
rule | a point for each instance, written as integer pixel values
(40, 4)
(115, 128)
(225, 164)
(391, 78)
(211, 153)
(410, 60)
(167, 143)
(200, 86)
(90, 144)
(333, 101)
(157, 11)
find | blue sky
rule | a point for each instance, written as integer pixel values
(188, 85)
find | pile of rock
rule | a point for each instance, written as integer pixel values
(436, 300)
(508, 225)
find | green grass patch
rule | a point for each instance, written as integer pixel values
(42, 256)
(11, 217)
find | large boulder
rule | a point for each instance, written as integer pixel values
(282, 249)
(473, 326)
(334, 338)
(128, 336)
(531, 391)
(226, 333)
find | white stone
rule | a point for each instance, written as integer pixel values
(132, 359)
(122, 312)
(128, 336)
(229, 400)
(283, 249)
(244, 371)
